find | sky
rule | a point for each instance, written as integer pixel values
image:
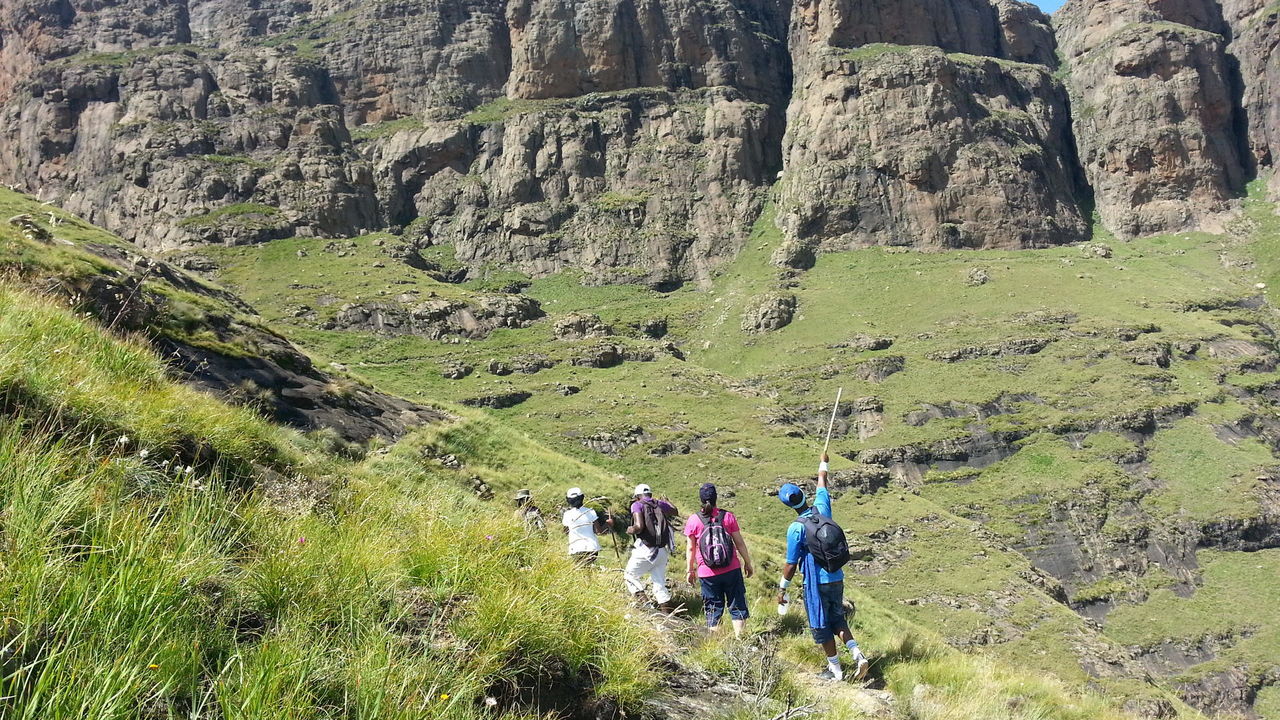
(1048, 5)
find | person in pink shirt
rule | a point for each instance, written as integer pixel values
(718, 557)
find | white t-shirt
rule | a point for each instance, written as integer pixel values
(582, 535)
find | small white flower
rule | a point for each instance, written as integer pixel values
(164, 464)
(124, 440)
(143, 454)
(188, 470)
(491, 702)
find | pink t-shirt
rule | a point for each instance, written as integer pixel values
(693, 528)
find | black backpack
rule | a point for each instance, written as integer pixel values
(715, 545)
(656, 532)
(825, 541)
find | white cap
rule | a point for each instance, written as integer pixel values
(574, 492)
(643, 489)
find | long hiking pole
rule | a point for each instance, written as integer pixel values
(605, 499)
(831, 425)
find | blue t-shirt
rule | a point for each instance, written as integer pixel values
(798, 553)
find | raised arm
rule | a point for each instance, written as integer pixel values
(822, 471)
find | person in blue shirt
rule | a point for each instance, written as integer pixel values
(823, 590)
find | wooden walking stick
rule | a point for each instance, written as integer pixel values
(831, 425)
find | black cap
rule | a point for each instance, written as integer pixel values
(707, 493)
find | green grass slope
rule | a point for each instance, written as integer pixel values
(1078, 404)
(269, 580)
(169, 556)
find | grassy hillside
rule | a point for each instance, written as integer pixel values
(1097, 413)
(262, 578)
(169, 556)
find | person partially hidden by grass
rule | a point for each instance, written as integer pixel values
(715, 545)
(529, 514)
(816, 545)
(651, 525)
(582, 525)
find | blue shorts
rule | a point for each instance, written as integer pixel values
(831, 595)
(724, 589)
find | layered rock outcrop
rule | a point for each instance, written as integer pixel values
(1003, 28)
(1154, 111)
(563, 48)
(634, 143)
(908, 145)
(1255, 44)
(645, 185)
(636, 140)
(174, 146)
(388, 60)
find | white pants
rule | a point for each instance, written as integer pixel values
(640, 565)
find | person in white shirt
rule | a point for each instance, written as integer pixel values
(582, 524)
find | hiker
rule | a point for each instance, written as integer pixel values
(528, 513)
(651, 524)
(715, 545)
(816, 545)
(582, 524)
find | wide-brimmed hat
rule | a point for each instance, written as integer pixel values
(523, 494)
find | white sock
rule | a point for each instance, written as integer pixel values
(854, 650)
(833, 664)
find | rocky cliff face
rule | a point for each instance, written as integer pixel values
(1255, 44)
(640, 184)
(170, 145)
(902, 145)
(1155, 112)
(387, 60)
(637, 140)
(1004, 28)
(918, 123)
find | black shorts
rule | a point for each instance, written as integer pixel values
(724, 589)
(831, 595)
(585, 559)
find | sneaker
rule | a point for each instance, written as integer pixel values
(833, 676)
(863, 666)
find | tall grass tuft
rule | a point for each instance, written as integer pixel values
(135, 583)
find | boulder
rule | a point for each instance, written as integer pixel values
(771, 312)
(576, 326)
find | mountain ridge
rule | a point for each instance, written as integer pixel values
(509, 135)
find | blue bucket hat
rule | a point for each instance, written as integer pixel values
(792, 496)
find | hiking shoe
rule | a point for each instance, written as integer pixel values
(863, 666)
(828, 675)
